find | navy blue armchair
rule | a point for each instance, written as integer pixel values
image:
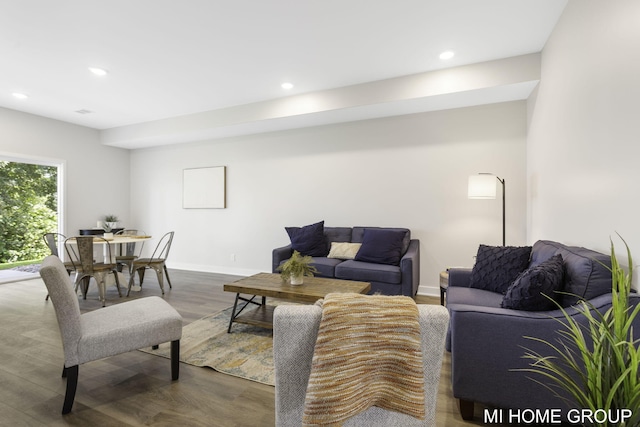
(487, 342)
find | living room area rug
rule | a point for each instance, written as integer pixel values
(246, 352)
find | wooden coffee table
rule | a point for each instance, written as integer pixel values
(271, 285)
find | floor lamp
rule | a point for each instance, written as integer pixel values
(483, 186)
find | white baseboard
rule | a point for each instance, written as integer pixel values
(429, 291)
(215, 269)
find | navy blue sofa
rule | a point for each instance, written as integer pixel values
(487, 342)
(402, 279)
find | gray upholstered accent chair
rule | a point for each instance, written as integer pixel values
(157, 262)
(295, 328)
(145, 322)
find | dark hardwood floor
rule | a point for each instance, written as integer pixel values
(135, 389)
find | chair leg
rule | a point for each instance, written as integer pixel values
(85, 286)
(166, 273)
(132, 276)
(175, 359)
(101, 281)
(160, 278)
(466, 409)
(141, 275)
(72, 384)
(115, 274)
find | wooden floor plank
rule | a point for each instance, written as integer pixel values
(135, 389)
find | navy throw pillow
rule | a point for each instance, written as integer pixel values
(381, 246)
(308, 240)
(497, 267)
(528, 291)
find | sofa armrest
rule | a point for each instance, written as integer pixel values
(410, 269)
(278, 255)
(487, 349)
(459, 276)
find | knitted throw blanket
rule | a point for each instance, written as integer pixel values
(367, 353)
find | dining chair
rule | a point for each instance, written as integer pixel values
(120, 328)
(130, 252)
(157, 262)
(80, 251)
(52, 240)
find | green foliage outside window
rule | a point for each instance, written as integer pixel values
(28, 210)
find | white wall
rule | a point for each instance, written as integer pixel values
(96, 176)
(584, 127)
(408, 171)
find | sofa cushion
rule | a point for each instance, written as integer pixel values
(308, 240)
(325, 266)
(587, 273)
(497, 267)
(368, 272)
(382, 246)
(472, 296)
(528, 291)
(344, 250)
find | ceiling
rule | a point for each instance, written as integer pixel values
(168, 59)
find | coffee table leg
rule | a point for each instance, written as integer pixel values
(233, 313)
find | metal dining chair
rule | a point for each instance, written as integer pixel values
(157, 262)
(131, 251)
(52, 240)
(80, 251)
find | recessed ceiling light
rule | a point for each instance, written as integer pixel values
(448, 54)
(19, 95)
(287, 85)
(98, 71)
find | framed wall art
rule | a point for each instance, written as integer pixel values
(204, 188)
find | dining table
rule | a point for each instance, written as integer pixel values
(119, 240)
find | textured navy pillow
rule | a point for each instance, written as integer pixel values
(381, 246)
(497, 267)
(308, 240)
(526, 292)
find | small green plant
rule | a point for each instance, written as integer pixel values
(297, 266)
(597, 364)
(110, 222)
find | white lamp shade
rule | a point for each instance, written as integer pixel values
(482, 187)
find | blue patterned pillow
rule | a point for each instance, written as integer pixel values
(309, 240)
(497, 267)
(528, 291)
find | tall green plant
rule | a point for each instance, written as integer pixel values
(597, 364)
